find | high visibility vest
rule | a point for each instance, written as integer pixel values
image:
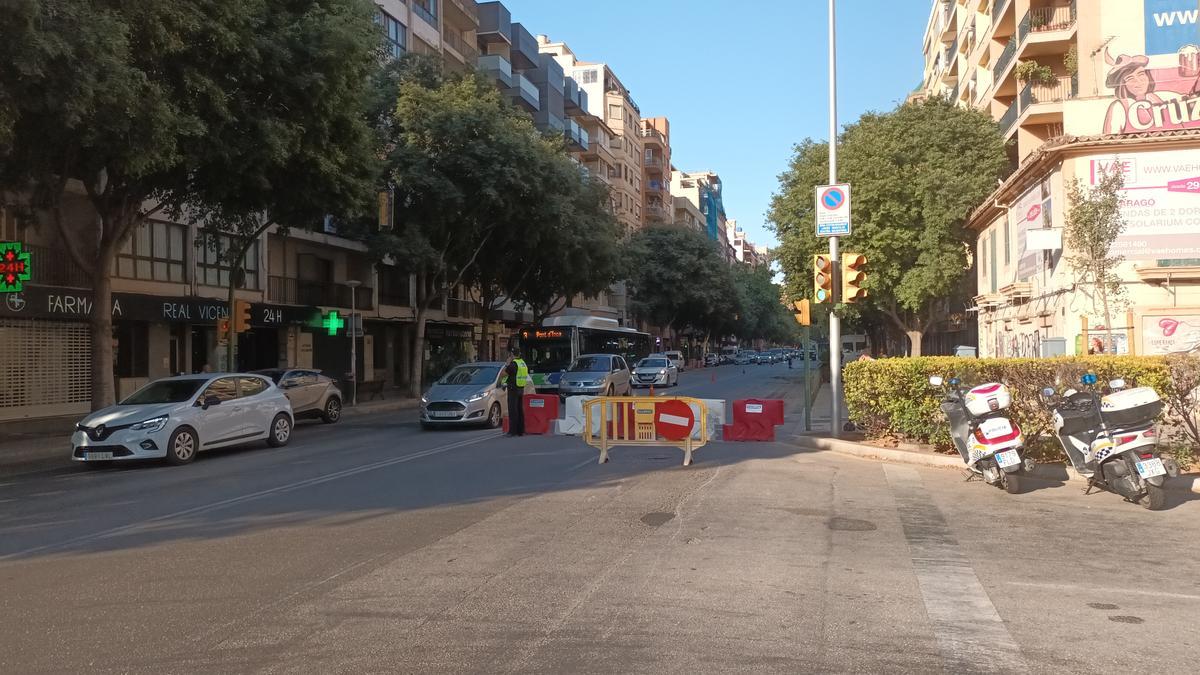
(522, 373)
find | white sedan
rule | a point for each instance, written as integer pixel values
(176, 417)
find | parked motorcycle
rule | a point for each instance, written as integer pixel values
(991, 444)
(1111, 439)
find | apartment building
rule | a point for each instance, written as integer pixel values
(744, 250)
(1080, 88)
(703, 190)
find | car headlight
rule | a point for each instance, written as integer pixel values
(424, 399)
(663, 371)
(152, 424)
(478, 397)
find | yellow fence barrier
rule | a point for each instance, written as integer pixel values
(662, 421)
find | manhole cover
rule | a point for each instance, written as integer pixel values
(840, 524)
(657, 518)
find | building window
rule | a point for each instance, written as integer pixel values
(214, 267)
(587, 77)
(393, 287)
(1007, 253)
(397, 35)
(155, 252)
(614, 111)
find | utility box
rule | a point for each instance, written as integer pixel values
(1054, 347)
(964, 350)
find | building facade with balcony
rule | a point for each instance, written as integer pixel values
(703, 190)
(657, 203)
(1079, 89)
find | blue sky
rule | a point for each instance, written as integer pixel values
(742, 82)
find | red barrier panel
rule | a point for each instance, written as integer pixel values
(540, 412)
(754, 420)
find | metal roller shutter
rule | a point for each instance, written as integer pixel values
(46, 366)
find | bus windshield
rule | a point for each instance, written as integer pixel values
(547, 356)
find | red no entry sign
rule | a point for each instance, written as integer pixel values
(673, 420)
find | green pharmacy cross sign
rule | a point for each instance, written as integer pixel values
(333, 323)
(14, 267)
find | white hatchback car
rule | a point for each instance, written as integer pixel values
(176, 417)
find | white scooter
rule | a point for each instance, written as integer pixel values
(1111, 440)
(991, 444)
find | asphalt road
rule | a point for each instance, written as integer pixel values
(374, 547)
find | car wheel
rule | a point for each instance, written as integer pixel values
(281, 431)
(182, 446)
(333, 411)
(494, 418)
(611, 391)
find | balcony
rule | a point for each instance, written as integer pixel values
(657, 212)
(947, 19)
(653, 136)
(464, 13)
(291, 291)
(653, 163)
(525, 93)
(571, 97)
(1044, 30)
(577, 139)
(998, 7)
(50, 267)
(498, 68)
(495, 24)
(657, 186)
(1003, 62)
(463, 309)
(465, 51)
(424, 13)
(525, 53)
(1062, 89)
(1008, 119)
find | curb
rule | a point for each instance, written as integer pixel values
(1044, 471)
(387, 406)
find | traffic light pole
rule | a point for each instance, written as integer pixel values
(835, 324)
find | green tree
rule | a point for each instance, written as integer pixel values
(677, 278)
(917, 172)
(466, 170)
(1093, 223)
(230, 113)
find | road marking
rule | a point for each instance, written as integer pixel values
(970, 633)
(1096, 590)
(308, 482)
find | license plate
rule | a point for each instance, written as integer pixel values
(1150, 468)
(109, 455)
(1007, 458)
(995, 427)
(444, 414)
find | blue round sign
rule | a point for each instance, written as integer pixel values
(833, 198)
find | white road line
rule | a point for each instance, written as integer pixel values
(309, 482)
(969, 631)
(1091, 591)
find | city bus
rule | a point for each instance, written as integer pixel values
(551, 348)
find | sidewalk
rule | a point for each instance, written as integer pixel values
(40, 444)
(851, 444)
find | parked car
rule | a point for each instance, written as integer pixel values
(471, 393)
(655, 371)
(711, 360)
(597, 375)
(745, 358)
(311, 393)
(176, 417)
(676, 358)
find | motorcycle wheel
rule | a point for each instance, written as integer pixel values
(1155, 499)
(1011, 482)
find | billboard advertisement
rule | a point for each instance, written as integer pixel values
(1171, 334)
(1029, 213)
(1160, 204)
(1171, 25)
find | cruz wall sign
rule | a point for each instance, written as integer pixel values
(833, 210)
(14, 267)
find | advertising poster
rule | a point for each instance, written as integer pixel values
(1029, 213)
(1171, 334)
(1161, 204)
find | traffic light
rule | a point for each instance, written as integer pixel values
(802, 316)
(223, 329)
(241, 316)
(822, 278)
(854, 275)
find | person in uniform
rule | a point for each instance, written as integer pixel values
(516, 377)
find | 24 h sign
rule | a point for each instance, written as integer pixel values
(14, 267)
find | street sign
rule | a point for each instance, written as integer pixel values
(673, 420)
(355, 326)
(833, 210)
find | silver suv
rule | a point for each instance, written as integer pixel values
(596, 375)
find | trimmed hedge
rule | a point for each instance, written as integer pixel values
(892, 397)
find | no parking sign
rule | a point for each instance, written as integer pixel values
(833, 210)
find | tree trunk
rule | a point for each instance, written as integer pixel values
(231, 336)
(1112, 345)
(914, 341)
(103, 384)
(416, 364)
(485, 352)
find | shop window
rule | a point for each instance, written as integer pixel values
(214, 268)
(155, 252)
(133, 349)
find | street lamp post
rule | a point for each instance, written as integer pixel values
(353, 284)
